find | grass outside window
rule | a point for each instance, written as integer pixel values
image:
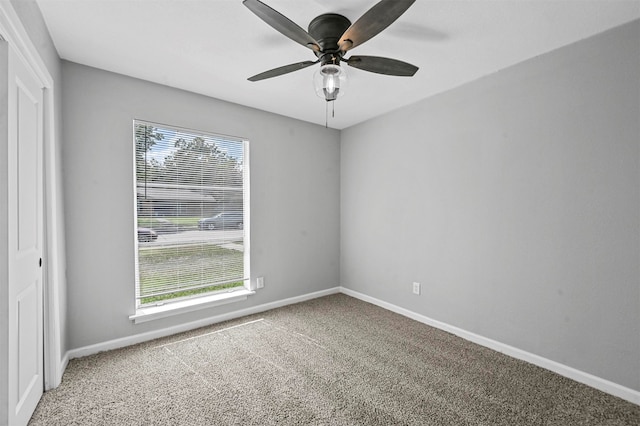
(172, 268)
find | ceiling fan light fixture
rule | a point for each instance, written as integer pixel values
(330, 82)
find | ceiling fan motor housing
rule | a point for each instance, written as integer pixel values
(327, 29)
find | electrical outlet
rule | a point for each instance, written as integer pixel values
(260, 282)
(416, 288)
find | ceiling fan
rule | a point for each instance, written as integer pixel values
(330, 37)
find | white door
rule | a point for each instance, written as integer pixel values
(25, 194)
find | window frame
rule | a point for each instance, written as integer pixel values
(144, 313)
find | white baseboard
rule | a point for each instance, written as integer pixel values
(63, 363)
(564, 370)
(144, 337)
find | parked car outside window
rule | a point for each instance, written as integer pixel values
(226, 220)
(146, 235)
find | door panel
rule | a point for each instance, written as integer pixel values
(27, 313)
(27, 173)
(25, 195)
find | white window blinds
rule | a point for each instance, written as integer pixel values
(190, 212)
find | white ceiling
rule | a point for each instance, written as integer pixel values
(212, 46)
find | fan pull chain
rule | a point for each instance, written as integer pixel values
(326, 115)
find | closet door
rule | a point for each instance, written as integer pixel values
(25, 240)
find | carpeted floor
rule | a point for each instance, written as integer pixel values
(330, 361)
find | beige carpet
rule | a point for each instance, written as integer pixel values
(329, 361)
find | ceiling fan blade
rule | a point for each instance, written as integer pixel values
(372, 22)
(282, 24)
(282, 70)
(386, 66)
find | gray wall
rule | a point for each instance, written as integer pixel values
(294, 197)
(515, 201)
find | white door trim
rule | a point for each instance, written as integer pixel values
(12, 30)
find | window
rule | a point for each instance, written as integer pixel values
(191, 213)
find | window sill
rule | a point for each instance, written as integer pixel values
(156, 312)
